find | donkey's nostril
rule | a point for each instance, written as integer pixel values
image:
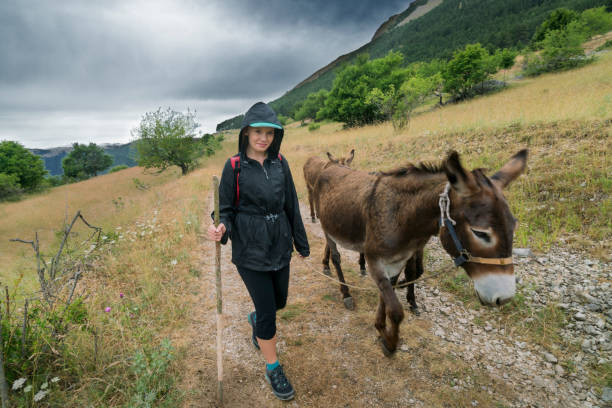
(502, 301)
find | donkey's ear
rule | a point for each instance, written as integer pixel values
(331, 158)
(511, 170)
(350, 158)
(463, 182)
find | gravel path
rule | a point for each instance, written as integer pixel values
(578, 285)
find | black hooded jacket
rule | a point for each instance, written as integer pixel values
(266, 223)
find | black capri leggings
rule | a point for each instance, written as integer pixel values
(269, 290)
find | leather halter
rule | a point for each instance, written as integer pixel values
(449, 223)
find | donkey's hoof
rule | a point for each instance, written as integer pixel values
(415, 310)
(348, 303)
(363, 272)
(327, 271)
(385, 349)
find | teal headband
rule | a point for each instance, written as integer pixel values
(265, 124)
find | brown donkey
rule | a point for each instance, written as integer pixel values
(391, 216)
(312, 168)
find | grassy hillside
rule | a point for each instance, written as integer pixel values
(446, 28)
(157, 258)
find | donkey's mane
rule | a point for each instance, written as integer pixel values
(411, 169)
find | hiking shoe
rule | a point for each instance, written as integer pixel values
(281, 387)
(251, 318)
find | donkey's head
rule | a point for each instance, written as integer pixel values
(343, 161)
(484, 226)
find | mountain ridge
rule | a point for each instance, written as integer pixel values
(437, 34)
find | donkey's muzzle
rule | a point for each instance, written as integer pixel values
(495, 289)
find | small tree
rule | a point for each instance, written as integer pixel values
(347, 100)
(398, 105)
(85, 161)
(314, 101)
(557, 20)
(169, 138)
(469, 67)
(505, 59)
(24, 168)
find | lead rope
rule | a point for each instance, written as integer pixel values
(444, 204)
(396, 286)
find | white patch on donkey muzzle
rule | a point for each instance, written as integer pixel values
(495, 288)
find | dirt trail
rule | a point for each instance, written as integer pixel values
(332, 357)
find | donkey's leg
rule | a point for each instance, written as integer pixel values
(311, 202)
(410, 272)
(362, 267)
(325, 261)
(416, 270)
(381, 316)
(394, 311)
(335, 257)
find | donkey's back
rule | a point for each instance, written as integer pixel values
(340, 198)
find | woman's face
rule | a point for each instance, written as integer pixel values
(260, 138)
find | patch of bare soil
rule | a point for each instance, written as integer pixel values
(446, 357)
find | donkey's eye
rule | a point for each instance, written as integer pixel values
(482, 235)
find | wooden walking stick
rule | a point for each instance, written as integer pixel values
(219, 298)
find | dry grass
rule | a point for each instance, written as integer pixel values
(563, 118)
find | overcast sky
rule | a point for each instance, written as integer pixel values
(86, 71)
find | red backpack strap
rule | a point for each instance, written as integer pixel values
(280, 157)
(235, 161)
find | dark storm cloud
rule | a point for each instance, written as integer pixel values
(119, 56)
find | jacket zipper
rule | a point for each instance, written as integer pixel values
(265, 172)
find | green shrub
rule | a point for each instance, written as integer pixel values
(347, 100)
(118, 168)
(54, 181)
(557, 20)
(313, 103)
(561, 49)
(16, 160)
(314, 126)
(9, 186)
(152, 379)
(607, 44)
(596, 21)
(470, 66)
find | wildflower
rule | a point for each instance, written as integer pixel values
(174, 262)
(40, 395)
(44, 385)
(55, 379)
(121, 295)
(18, 383)
(27, 389)
(104, 237)
(108, 309)
(118, 228)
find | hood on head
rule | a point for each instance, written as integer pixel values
(261, 114)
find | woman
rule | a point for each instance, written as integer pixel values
(260, 213)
